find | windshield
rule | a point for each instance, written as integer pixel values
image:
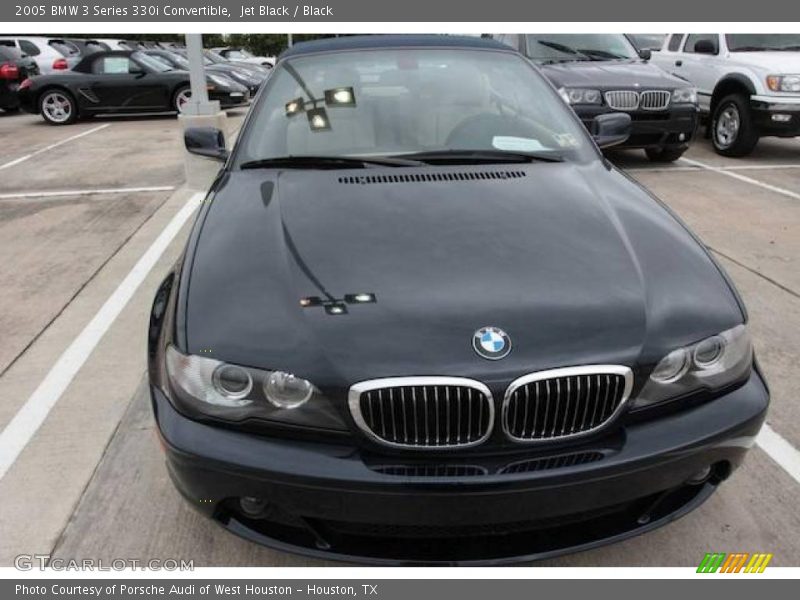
(176, 61)
(152, 63)
(760, 42)
(579, 46)
(395, 102)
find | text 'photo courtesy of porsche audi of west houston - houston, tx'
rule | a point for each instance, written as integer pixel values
(421, 319)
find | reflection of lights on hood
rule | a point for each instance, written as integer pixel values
(310, 301)
(336, 309)
(361, 298)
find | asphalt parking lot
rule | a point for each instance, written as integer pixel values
(79, 207)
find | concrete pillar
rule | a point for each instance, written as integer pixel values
(199, 112)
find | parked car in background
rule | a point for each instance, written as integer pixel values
(88, 46)
(748, 84)
(15, 67)
(216, 58)
(242, 55)
(121, 81)
(599, 74)
(116, 43)
(647, 41)
(420, 319)
(240, 76)
(51, 54)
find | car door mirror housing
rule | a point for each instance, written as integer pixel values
(208, 142)
(645, 54)
(612, 129)
(705, 47)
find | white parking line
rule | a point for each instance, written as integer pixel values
(16, 161)
(59, 193)
(21, 429)
(698, 168)
(781, 451)
(744, 178)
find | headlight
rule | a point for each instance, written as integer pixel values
(684, 96)
(580, 96)
(711, 363)
(783, 83)
(201, 386)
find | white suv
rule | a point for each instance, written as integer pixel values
(51, 54)
(748, 84)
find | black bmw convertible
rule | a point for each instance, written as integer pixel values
(119, 82)
(421, 319)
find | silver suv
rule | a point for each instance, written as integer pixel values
(748, 84)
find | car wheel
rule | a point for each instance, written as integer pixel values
(58, 107)
(182, 96)
(733, 132)
(665, 154)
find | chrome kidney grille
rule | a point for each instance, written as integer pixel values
(564, 403)
(654, 99)
(622, 99)
(633, 100)
(423, 412)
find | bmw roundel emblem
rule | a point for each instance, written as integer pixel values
(491, 342)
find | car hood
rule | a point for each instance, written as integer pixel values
(606, 75)
(576, 263)
(776, 63)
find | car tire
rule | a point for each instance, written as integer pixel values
(665, 154)
(181, 97)
(58, 107)
(733, 131)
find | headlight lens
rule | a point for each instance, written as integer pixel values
(201, 386)
(711, 363)
(285, 390)
(684, 96)
(783, 83)
(580, 96)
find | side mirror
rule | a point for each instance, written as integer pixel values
(612, 129)
(137, 71)
(705, 47)
(645, 54)
(206, 141)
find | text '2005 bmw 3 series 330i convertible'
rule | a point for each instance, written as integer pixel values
(420, 319)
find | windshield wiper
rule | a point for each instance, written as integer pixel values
(328, 162)
(460, 157)
(565, 49)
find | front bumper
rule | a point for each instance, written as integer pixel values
(776, 116)
(650, 129)
(341, 501)
(229, 99)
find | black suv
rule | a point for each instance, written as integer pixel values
(602, 73)
(15, 67)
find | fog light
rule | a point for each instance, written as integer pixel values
(681, 137)
(700, 477)
(252, 507)
(779, 118)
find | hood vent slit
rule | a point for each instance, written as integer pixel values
(444, 176)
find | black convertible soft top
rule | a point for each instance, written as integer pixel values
(368, 42)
